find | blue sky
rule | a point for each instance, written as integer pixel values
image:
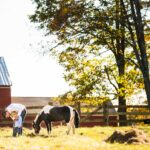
(32, 74)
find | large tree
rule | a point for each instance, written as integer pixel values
(86, 26)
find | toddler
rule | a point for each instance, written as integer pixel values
(17, 125)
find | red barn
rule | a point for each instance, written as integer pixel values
(5, 84)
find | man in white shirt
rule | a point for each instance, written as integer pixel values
(15, 107)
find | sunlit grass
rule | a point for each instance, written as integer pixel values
(85, 138)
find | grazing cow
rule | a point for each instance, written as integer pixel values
(57, 113)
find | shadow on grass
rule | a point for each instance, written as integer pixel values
(43, 136)
(8, 136)
(27, 135)
(39, 135)
(31, 135)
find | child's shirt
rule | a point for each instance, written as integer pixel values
(18, 122)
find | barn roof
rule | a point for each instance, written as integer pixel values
(4, 74)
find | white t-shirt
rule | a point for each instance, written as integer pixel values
(15, 107)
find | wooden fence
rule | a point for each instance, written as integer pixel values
(94, 115)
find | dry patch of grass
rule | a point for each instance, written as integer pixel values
(133, 136)
(84, 139)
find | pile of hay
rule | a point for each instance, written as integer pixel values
(133, 136)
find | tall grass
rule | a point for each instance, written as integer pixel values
(84, 139)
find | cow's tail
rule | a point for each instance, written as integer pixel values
(76, 119)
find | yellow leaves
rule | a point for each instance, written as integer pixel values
(140, 85)
(64, 11)
(89, 65)
(94, 100)
(69, 96)
(133, 71)
(60, 18)
(148, 54)
(85, 69)
(62, 30)
(147, 37)
(130, 82)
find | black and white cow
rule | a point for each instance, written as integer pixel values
(57, 113)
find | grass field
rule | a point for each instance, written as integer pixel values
(84, 139)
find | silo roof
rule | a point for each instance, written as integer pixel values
(4, 74)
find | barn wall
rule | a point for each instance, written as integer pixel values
(5, 96)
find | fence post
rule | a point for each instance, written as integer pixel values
(106, 114)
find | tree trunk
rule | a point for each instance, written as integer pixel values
(147, 87)
(120, 59)
(137, 17)
(122, 109)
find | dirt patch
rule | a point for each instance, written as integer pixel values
(133, 136)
